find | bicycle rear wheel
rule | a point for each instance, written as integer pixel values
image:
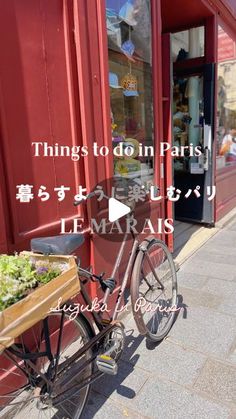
(154, 289)
(22, 395)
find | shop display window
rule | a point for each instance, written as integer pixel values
(188, 120)
(130, 80)
(188, 44)
(226, 104)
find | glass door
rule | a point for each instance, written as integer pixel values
(193, 100)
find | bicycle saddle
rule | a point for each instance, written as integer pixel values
(57, 245)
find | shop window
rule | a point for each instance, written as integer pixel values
(188, 120)
(226, 104)
(188, 44)
(130, 80)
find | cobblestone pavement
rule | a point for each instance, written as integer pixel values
(192, 373)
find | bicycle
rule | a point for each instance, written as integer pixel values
(53, 364)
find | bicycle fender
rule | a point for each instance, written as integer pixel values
(145, 243)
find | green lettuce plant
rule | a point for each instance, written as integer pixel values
(20, 274)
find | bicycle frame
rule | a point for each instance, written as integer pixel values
(97, 316)
(103, 327)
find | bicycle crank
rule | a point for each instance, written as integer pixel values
(113, 347)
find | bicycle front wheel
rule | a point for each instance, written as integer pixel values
(154, 289)
(22, 393)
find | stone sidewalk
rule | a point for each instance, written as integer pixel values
(192, 373)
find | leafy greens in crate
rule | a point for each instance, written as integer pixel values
(20, 274)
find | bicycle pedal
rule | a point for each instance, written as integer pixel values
(106, 364)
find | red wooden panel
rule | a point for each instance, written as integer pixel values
(226, 46)
(37, 106)
(231, 6)
(180, 14)
(167, 123)
(226, 191)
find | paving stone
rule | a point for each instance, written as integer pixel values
(205, 330)
(200, 408)
(228, 306)
(124, 386)
(232, 358)
(163, 400)
(196, 298)
(198, 328)
(226, 290)
(220, 287)
(204, 267)
(100, 407)
(225, 238)
(168, 360)
(218, 248)
(191, 280)
(216, 257)
(218, 380)
(232, 354)
(231, 227)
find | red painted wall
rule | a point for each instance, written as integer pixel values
(37, 104)
(54, 88)
(231, 5)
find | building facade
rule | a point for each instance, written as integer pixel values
(77, 72)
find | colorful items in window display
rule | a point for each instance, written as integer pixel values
(113, 125)
(228, 146)
(134, 144)
(130, 68)
(128, 49)
(114, 81)
(130, 84)
(125, 165)
(127, 13)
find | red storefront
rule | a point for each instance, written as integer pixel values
(65, 68)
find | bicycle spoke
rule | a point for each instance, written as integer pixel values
(145, 279)
(63, 408)
(153, 270)
(154, 280)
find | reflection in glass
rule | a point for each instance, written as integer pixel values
(130, 80)
(188, 44)
(188, 118)
(226, 105)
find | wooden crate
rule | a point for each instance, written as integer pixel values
(24, 314)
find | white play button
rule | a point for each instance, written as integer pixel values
(116, 209)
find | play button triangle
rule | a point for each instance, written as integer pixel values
(116, 209)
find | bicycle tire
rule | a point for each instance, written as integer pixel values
(139, 280)
(21, 403)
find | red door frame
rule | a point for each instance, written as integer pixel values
(210, 57)
(167, 123)
(159, 176)
(225, 177)
(92, 63)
